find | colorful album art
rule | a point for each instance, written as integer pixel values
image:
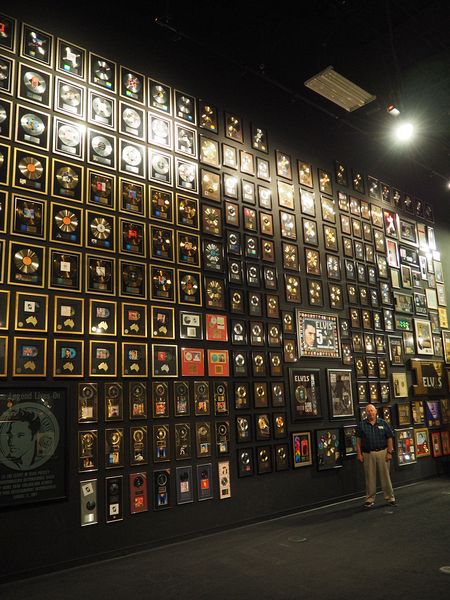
(301, 449)
(318, 335)
(328, 449)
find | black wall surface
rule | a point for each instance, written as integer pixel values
(48, 535)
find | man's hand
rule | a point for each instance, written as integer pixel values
(388, 456)
(360, 458)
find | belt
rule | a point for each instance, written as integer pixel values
(376, 449)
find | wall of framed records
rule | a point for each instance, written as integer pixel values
(214, 302)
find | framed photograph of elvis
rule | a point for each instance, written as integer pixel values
(340, 390)
(318, 335)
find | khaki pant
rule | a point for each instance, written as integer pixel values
(372, 462)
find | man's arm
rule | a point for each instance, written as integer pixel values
(359, 453)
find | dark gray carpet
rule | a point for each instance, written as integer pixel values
(349, 553)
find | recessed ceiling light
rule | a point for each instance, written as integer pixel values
(340, 90)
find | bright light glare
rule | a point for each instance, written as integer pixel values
(404, 132)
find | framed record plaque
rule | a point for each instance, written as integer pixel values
(318, 335)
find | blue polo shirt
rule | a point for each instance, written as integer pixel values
(374, 437)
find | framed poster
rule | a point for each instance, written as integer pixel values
(318, 335)
(32, 445)
(340, 392)
(301, 449)
(422, 442)
(305, 394)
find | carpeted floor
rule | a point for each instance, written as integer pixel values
(333, 553)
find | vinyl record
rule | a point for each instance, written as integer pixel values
(34, 82)
(189, 285)
(160, 129)
(100, 228)
(87, 391)
(161, 281)
(184, 105)
(69, 135)
(31, 168)
(26, 260)
(160, 164)
(66, 220)
(132, 276)
(160, 94)
(102, 70)
(67, 178)
(188, 247)
(101, 186)
(131, 118)
(65, 267)
(32, 124)
(186, 172)
(214, 291)
(99, 272)
(70, 95)
(101, 146)
(102, 107)
(29, 213)
(132, 83)
(131, 156)
(207, 116)
(188, 209)
(113, 391)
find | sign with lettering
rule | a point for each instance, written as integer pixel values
(318, 335)
(32, 445)
(430, 377)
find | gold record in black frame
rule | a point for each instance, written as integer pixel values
(132, 237)
(31, 312)
(100, 274)
(187, 209)
(101, 189)
(208, 118)
(162, 243)
(132, 279)
(100, 231)
(28, 218)
(189, 287)
(68, 315)
(64, 270)
(66, 224)
(30, 171)
(26, 264)
(67, 180)
(161, 204)
(162, 283)
(132, 197)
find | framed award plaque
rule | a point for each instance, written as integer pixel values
(302, 449)
(26, 265)
(87, 450)
(134, 320)
(30, 357)
(328, 449)
(132, 121)
(162, 489)
(161, 443)
(184, 484)
(134, 360)
(162, 282)
(114, 401)
(68, 358)
(87, 402)
(100, 274)
(138, 446)
(137, 399)
(64, 270)
(305, 394)
(133, 279)
(164, 360)
(245, 462)
(114, 448)
(208, 117)
(102, 359)
(68, 315)
(161, 204)
(30, 169)
(101, 189)
(31, 313)
(4, 341)
(340, 393)
(33, 84)
(160, 96)
(183, 443)
(66, 223)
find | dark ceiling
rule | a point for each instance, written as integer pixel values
(395, 49)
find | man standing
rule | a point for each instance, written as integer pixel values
(374, 447)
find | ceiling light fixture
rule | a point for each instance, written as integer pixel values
(404, 132)
(340, 90)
